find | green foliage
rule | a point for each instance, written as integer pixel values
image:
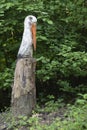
(61, 41)
(74, 118)
(49, 105)
(77, 116)
(6, 78)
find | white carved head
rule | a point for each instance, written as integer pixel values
(30, 19)
(30, 23)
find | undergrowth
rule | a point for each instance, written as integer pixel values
(75, 117)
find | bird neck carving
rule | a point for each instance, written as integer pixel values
(28, 38)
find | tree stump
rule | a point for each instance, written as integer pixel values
(24, 90)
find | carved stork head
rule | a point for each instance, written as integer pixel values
(30, 21)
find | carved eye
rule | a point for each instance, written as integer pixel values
(30, 18)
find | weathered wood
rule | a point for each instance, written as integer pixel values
(24, 91)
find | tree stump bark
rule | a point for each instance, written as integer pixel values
(24, 90)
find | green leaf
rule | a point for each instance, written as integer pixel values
(50, 22)
(85, 59)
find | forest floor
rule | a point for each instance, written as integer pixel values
(45, 118)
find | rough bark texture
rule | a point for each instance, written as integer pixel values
(24, 91)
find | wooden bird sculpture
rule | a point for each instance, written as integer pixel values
(24, 90)
(29, 37)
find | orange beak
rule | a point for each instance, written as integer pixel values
(33, 30)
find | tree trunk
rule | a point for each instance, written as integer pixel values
(24, 91)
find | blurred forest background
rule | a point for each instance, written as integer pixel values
(61, 46)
